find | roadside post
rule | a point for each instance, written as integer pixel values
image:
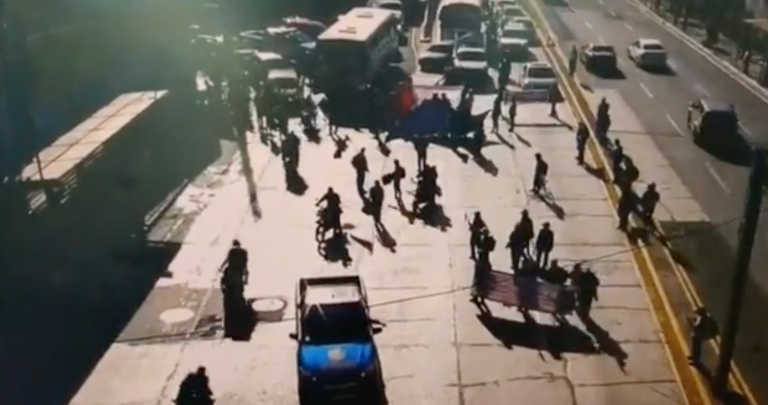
(747, 230)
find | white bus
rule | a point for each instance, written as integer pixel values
(460, 17)
(358, 45)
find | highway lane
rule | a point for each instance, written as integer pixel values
(717, 185)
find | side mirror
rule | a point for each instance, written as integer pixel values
(293, 336)
(377, 329)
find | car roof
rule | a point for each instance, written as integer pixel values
(266, 56)
(515, 26)
(648, 41)
(538, 65)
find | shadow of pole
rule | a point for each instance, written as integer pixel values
(253, 198)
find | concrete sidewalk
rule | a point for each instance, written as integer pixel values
(435, 348)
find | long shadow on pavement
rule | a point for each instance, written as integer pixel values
(555, 339)
(75, 273)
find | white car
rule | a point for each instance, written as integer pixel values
(470, 60)
(538, 76)
(648, 54)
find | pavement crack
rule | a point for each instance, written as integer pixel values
(498, 382)
(627, 383)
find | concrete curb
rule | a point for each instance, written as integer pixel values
(724, 66)
(690, 381)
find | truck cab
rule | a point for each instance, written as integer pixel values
(336, 354)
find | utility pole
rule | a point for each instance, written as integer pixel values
(747, 231)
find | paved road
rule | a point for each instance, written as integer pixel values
(657, 106)
(435, 347)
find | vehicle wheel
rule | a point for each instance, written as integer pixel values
(319, 233)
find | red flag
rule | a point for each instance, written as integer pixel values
(407, 99)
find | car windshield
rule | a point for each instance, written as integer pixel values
(653, 47)
(471, 56)
(602, 48)
(541, 73)
(337, 323)
(513, 11)
(441, 48)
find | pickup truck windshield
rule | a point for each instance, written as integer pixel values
(337, 323)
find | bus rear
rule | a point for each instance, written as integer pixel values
(354, 49)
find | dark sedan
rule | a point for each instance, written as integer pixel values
(599, 58)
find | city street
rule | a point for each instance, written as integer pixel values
(434, 347)
(704, 194)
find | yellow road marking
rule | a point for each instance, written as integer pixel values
(692, 383)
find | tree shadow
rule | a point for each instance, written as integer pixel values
(605, 343)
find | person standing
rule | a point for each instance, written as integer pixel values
(360, 164)
(545, 241)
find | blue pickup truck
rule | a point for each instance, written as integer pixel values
(336, 356)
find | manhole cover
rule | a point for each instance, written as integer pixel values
(271, 304)
(177, 315)
(269, 309)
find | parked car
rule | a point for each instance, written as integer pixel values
(437, 58)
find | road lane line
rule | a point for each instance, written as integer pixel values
(601, 40)
(629, 27)
(588, 24)
(613, 14)
(646, 90)
(699, 88)
(717, 177)
(675, 126)
(676, 345)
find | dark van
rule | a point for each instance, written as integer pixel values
(709, 120)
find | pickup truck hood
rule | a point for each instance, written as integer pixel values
(336, 358)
